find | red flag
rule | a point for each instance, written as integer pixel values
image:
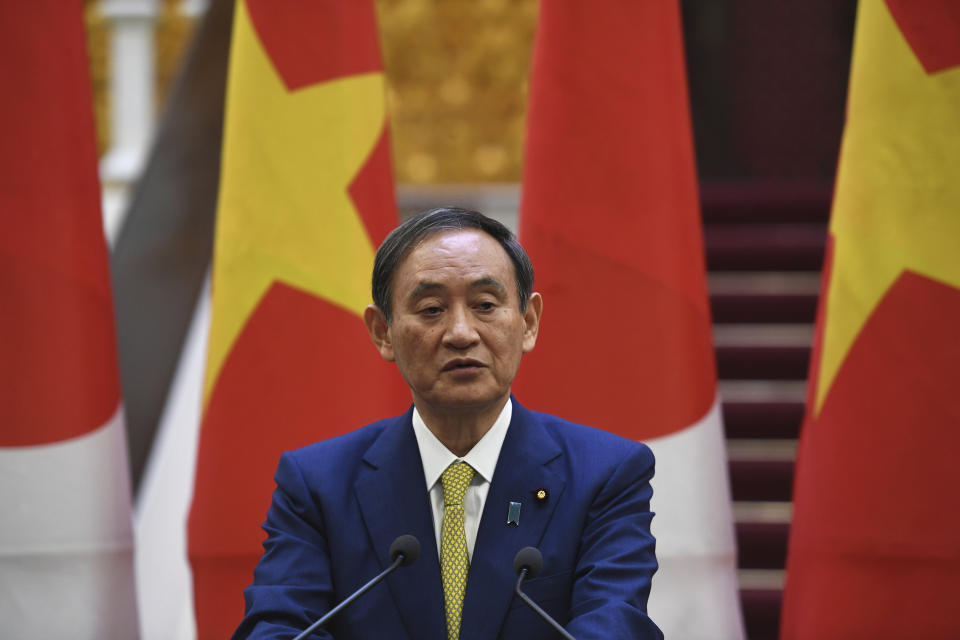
(306, 196)
(874, 549)
(66, 565)
(610, 217)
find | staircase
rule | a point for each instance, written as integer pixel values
(764, 246)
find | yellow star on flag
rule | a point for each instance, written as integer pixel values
(898, 184)
(284, 212)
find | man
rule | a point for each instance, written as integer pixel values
(467, 470)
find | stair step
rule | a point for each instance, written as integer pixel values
(762, 419)
(761, 612)
(794, 391)
(762, 449)
(783, 308)
(761, 480)
(771, 512)
(762, 545)
(765, 247)
(762, 335)
(764, 282)
(774, 201)
(762, 362)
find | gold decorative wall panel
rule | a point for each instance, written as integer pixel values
(457, 75)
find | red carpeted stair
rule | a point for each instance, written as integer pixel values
(764, 244)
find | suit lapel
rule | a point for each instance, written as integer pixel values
(521, 470)
(393, 500)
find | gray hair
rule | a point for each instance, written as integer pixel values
(405, 237)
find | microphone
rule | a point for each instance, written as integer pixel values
(406, 548)
(527, 563)
(403, 552)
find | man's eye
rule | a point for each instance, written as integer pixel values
(486, 306)
(430, 311)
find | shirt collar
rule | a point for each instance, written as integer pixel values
(482, 457)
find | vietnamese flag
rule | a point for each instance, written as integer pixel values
(306, 196)
(66, 561)
(611, 219)
(875, 541)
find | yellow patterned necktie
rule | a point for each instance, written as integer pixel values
(454, 561)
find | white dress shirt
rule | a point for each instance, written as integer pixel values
(483, 458)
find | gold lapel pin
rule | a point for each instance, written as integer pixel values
(541, 494)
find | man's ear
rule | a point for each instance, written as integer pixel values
(379, 331)
(531, 320)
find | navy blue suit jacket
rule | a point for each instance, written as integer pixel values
(341, 502)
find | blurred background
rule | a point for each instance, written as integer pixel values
(767, 85)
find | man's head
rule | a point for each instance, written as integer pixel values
(406, 237)
(461, 312)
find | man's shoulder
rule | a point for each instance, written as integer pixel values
(587, 441)
(349, 446)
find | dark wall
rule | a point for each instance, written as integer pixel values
(768, 86)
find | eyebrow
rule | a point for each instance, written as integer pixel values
(488, 282)
(428, 286)
(425, 287)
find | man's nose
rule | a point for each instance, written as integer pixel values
(460, 332)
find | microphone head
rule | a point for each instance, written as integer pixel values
(528, 558)
(406, 545)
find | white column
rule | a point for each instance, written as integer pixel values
(193, 8)
(132, 75)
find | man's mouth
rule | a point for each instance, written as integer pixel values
(462, 363)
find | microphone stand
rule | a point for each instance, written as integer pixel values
(533, 605)
(383, 574)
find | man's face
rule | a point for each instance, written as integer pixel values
(457, 333)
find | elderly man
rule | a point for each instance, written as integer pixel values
(467, 470)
